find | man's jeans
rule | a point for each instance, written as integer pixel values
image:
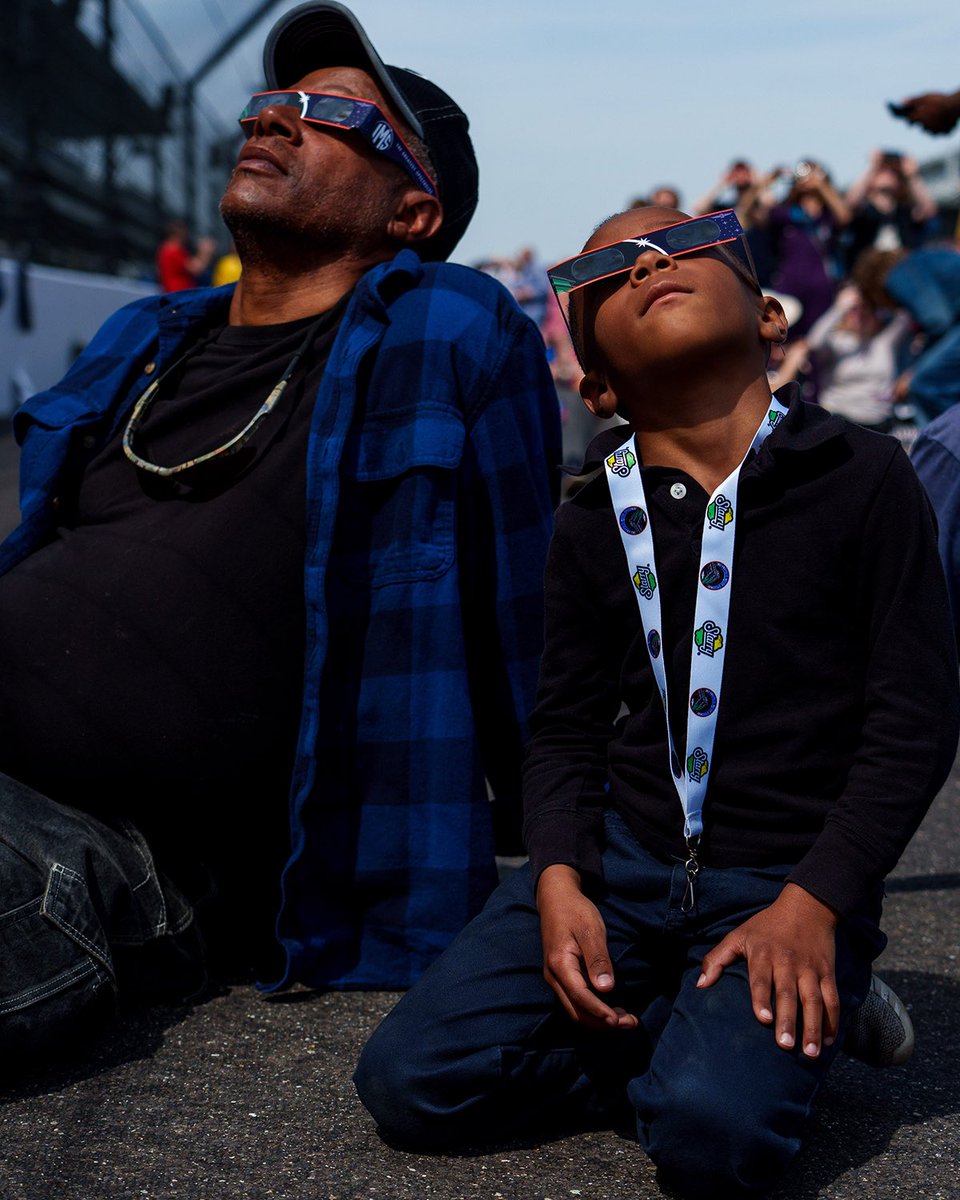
(83, 917)
(480, 1051)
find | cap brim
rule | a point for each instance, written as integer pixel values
(316, 35)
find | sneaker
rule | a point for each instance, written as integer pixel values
(880, 1032)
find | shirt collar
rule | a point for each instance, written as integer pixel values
(805, 427)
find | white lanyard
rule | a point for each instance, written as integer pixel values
(710, 621)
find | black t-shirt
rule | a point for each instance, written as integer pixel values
(153, 648)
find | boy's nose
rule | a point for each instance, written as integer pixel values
(650, 262)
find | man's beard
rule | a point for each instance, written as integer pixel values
(270, 238)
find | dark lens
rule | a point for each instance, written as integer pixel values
(330, 108)
(258, 103)
(595, 266)
(693, 233)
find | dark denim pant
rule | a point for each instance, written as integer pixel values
(480, 1051)
(84, 916)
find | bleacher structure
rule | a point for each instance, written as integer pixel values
(102, 136)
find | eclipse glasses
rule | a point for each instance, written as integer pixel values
(344, 112)
(719, 229)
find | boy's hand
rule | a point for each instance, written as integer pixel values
(576, 962)
(790, 950)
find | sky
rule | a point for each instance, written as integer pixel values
(576, 108)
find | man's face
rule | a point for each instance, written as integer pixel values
(740, 175)
(321, 185)
(665, 308)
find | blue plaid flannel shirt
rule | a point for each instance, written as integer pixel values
(431, 488)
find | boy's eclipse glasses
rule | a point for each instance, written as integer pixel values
(684, 237)
(719, 229)
(344, 112)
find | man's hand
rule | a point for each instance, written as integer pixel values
(937, 112)
(790, 950)
(576, 962)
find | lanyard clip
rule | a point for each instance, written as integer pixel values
(692, 868)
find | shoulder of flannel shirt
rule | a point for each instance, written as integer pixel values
(446, 320)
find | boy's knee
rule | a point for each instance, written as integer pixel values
(398, 1088)
(422, 1096)
(708, 1141)
(381, 1083)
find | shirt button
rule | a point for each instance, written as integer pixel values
(149, 368)
(88, 441)
(678, 491)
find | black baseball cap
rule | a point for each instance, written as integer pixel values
(316, 35)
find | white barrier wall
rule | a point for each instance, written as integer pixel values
(61, 310)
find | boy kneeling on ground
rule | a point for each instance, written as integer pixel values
(700, 913)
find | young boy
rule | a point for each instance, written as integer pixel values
(701, 908)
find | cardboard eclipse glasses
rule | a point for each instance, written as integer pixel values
(344, 112)
(720, 229)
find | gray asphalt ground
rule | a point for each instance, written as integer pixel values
(243, 1097)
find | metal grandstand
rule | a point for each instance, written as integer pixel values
(103, 134)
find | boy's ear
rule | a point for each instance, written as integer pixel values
(598, 394)
(773, 323)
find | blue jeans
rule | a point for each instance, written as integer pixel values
(84, 917)
(480, 1051)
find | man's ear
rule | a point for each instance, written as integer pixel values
(598, 394)
(417, 216)
(773, 324)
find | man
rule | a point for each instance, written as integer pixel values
(177, 268)
(216, 600)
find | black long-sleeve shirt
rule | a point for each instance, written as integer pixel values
(840, 706)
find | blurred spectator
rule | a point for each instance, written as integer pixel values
(665, 196)
(890, 204)
(503, 270)
(742, 187)
(177, 267)
(728, 191)
(530, 285)
(936, 112)
(579, 425)
(926, 283)
(804, 239)
(227, 268)
(564, 367)
(854, 348)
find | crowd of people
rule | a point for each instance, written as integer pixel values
(864, 275)
(856, 346)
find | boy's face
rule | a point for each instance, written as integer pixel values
(666, 310)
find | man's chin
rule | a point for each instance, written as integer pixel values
(250, 222)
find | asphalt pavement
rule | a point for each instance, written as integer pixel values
(246, 1097)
